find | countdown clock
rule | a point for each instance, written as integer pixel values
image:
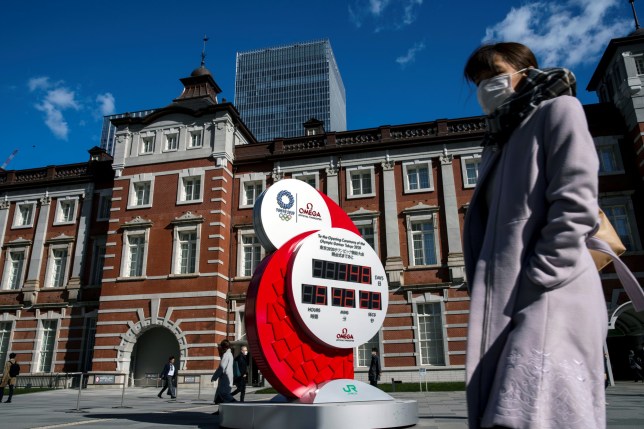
(338, 288)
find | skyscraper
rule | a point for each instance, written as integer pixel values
(278, 89)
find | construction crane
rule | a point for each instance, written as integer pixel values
(2, 167)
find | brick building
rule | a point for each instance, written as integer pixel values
(164, 269)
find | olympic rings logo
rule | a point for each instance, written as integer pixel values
(285, 217)
(289, 197)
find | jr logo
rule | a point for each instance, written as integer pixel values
(350, 389)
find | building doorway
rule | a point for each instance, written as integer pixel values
(151, 351)
(626, 332)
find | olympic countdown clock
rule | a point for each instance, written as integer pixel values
(338, 288)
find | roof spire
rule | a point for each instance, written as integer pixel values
(637, 23)
(205, 39)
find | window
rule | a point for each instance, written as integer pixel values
(5, 336)
(418, 176)
(141, 194)
(47, 345)
(363, 352)
(360, 182)
(610, 161)
(310, 178)
(147, 145)
(24, 216)
(366, 231)
(98, 261)
(104, 206)
(195, 139)
(250, 255)
(57, 267)
(171, 141)
(191, 189)
(252, 190)
(423, 243)
(430, 334)
(14, 269)
(135, 255)
(187, 252)
(618, 216)
(470, 166)
(88, 344)
(66, 211)
(639, 63)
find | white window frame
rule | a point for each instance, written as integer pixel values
(104, 205)
(186, 175)
(167, 139)
(8, 268)
(143, 232)
(185, 226)
(142, 178)
(469, 159)
(626, 202)
(363, 351)
(254, 178)
(147, 145)
(306, 177)
(241, 260)
(99, 248)
(195, 134)
(6, 331)
(41, 355)
(407, 166)
(365, 218)
(49, 279)
(426, 215)
(17, 223)
(611, 142)
(350, 172)
(60, 210)
(429, 299)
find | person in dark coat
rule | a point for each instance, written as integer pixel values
(636, 366)
(169, 375)
(374, 368)
(241, 379)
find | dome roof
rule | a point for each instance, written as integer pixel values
(200, 71)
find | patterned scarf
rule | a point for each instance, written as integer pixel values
(537, 86)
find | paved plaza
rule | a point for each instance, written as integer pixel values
(142, 409)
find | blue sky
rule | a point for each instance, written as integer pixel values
(67, 63)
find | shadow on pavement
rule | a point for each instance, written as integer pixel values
(203, 420)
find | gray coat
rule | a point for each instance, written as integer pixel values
(538, 316)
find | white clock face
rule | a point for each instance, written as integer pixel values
(288, 208)
(338, 287)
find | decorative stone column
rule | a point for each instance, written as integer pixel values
(332, 181)
(455, 260)
(32, 284)
(74, 284)
(393, 262)
(4, 218)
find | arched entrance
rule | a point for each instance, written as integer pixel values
(151, 352)
(626, 332)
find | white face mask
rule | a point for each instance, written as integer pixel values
(493, 92)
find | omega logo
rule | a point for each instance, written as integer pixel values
(309, 211)
(344, 335)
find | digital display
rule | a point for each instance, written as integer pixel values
(313, 294)
(370, 300)
(341, 271)
(343, 297)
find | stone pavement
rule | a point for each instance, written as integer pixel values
(101, 409)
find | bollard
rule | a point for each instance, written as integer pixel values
(199, 389)
(393, 385)
(123, 392)
(80, 388)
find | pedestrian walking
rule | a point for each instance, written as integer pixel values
(374, 367)
(169, 377)
(537, 320)
(224, 374)
(633, 362)
(9, 376)
(240, 373)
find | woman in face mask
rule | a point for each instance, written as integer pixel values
(537, 317)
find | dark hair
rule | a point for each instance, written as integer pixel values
(482, 59)
(170, 358)
(225, 344)
(12, 355)
(374, 349)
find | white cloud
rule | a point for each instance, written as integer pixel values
(62, 98)
(410, 56)
(384, 14)
(106, 104)
(564, 33)
(38, 83)
(54, 120)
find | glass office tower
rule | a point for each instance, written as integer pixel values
(278, 89)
